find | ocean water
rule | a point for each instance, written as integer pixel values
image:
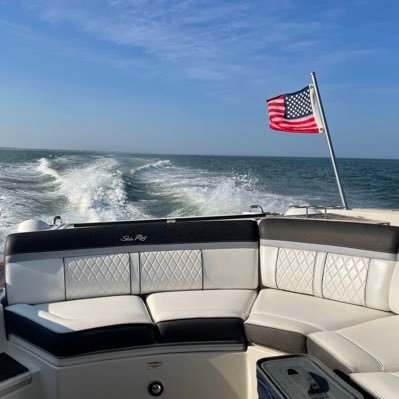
(92, 186)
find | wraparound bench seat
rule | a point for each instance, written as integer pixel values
(85, 325)
(282, 320)
(75, 291)
(208, 315)
(321, 276)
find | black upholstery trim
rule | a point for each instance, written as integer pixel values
(79, 342)
(239, 216)
(9, 367)
(113, 235)
(202, 329)
(371, 237)
(282, 340)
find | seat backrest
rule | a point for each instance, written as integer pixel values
(131, 258)
(342, 261)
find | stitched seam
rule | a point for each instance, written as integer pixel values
(334, 355)
(364, 350)
(275, 268)
(367, 282)
(289, 318)
(65, 288)
(139, 253)
(130, 271)
(202, 270)
(259, 268)
(322, 276)
(314, 272)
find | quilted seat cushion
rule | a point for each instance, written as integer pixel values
(282, 320)
(97, 276)
(85, 325)
(170, 271)
(207, 315)
(366, 347)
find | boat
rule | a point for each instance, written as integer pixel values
(194, 307)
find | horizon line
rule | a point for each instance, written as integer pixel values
(187, 154)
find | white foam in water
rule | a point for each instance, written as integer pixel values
(45, 167)
(21, 196)
(204, 193)
(91, 188)
(152, 165)
(92, 191)
(95, 192)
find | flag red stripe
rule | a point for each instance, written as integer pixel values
(280, 97)
(302, 121)
(293, 130)
(278, 109)
(280, 121)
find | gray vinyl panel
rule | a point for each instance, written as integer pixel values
(329, 248)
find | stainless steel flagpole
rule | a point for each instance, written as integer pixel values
(330, 145)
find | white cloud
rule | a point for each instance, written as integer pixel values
(207, 40)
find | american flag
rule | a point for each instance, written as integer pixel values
(294, 112)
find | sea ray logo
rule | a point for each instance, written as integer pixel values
(138, 237)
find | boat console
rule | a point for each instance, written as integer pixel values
(186, 308)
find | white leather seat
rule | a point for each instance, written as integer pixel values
(282, 319)
(207, 315)
(380, 385)
(367, 347)
(70, 327)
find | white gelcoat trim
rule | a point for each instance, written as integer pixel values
(328, 248)
(128, 248)
(147, 350)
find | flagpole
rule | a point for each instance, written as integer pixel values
(330, 145)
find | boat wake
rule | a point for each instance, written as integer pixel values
(88, 188)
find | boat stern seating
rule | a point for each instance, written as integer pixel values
(84, 289)
(209, 297)
(320, 276)
(69, 305)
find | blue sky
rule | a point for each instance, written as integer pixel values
(192, 76)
